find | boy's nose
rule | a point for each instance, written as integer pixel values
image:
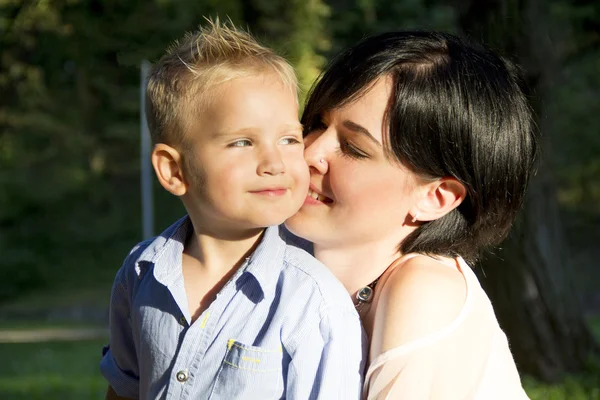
(271, 163)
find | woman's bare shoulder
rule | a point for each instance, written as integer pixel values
(421, 297)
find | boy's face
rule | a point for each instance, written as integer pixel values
(245, 163)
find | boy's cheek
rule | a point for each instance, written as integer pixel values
(303, 176)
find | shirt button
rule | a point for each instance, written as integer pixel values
(182, 376)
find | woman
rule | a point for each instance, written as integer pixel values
(420, 148)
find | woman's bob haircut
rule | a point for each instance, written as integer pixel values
(456, 110)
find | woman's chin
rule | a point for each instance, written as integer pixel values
(301, 225)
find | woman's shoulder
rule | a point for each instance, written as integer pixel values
(421, 297)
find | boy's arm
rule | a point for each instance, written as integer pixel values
(119, 364)
(328, 362)
(112, 395)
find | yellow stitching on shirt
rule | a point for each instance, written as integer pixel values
(251, 369)
(203, 324)
(254, 360)
(232, 343)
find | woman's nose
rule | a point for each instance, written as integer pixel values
(317, 150)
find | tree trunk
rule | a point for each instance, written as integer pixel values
(530, 284)
(529, 279)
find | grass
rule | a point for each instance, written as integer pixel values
(95, 294)
(35, 324)
(585, 386)
(580, 387)
(55, 370)
(70, 370)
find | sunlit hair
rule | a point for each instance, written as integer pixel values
(179, 84)
(456, 110)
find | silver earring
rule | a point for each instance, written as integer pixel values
(322, 161)
(415, 218)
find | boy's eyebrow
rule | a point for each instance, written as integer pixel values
(354, 127)
(294, 127)
(226, 134)
(250, 130)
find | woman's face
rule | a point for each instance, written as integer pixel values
(357, 195)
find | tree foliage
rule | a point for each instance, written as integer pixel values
(69, 118)
(69, 125)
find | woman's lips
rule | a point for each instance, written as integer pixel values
(316, 198)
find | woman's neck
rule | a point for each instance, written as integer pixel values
(357, 266)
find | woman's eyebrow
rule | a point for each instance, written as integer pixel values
(354, 127)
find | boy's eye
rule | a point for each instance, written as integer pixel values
(241, 143)
(290, 140)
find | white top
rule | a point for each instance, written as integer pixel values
(467, 359)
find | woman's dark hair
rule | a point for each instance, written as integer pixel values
(456, 109)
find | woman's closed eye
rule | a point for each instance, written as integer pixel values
(352, 151)
(346, 147)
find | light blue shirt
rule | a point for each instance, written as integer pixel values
(282, 327)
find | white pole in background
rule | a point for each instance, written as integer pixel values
(145, 165)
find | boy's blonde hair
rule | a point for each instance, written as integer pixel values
(179, 83)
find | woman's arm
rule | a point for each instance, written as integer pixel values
(420, 299)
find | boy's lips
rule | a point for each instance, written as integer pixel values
(271, 192)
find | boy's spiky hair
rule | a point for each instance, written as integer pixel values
(179, 83)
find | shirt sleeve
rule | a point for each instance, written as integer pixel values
(119, 365)
(329, 360)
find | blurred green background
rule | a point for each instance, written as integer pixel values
(70, 203)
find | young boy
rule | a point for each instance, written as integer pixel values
(218, 306)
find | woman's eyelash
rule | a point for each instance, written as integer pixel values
(346, 148)
(351, 151)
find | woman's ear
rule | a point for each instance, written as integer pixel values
(439, 198)
(167, 163)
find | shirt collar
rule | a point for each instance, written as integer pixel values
(168, 247)
(264, 264)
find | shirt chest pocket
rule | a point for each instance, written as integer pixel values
(249, 372)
